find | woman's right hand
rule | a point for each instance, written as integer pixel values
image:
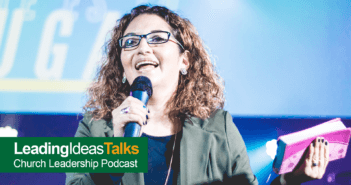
(137, 113)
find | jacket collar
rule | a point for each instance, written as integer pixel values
(194, 153)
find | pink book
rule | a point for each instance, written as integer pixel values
(292, 146)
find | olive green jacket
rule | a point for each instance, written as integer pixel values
(210, 150)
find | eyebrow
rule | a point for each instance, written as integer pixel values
(132, 33)
(156, 31)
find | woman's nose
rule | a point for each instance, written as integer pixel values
(144, 47)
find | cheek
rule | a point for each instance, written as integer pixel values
(125, 59)
(171, 60)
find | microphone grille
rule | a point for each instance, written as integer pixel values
(142, 83)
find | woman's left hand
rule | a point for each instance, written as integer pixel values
(312, 165)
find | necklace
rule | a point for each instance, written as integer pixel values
(170, 162)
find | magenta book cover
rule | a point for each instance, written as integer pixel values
(289, 154)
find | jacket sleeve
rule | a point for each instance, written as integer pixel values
(81, 178)
(241, 170)
(90, 178)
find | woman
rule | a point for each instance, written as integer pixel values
(191, 139)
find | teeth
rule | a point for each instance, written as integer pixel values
(145, 62)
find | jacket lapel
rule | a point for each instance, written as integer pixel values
(194, 153)
(109, 129)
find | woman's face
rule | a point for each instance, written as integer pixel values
(166, 56)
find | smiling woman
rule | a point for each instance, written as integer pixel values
(128, 50)
(166, 55)
(191, 140)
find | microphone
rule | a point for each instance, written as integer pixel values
(142, 90)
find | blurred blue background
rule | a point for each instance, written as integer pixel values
(286, 66)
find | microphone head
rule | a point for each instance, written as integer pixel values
(142, 83)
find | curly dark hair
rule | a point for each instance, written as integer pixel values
(199, 93)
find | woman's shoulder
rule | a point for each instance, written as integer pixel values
(89, 119)
(217, 122)
(92, 127)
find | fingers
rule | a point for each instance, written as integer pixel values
(316, 161)
(316, 154)
(321, 153)
(324, 157)
(136, 112)
(326, 154)
(135, 104)
(132, 117)
(309, 160)
(135, 107)
(320, 158)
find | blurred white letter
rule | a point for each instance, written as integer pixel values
(46, 47)
(12, 40)
(96, 52)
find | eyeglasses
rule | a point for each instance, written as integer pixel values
(158, 37)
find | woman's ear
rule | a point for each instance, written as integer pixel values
(185, 60)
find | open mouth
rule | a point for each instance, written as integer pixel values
(146, 63)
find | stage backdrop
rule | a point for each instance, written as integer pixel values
(276, 57)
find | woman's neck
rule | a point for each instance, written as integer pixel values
(159, 124)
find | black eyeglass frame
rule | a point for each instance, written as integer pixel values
(145, 35)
